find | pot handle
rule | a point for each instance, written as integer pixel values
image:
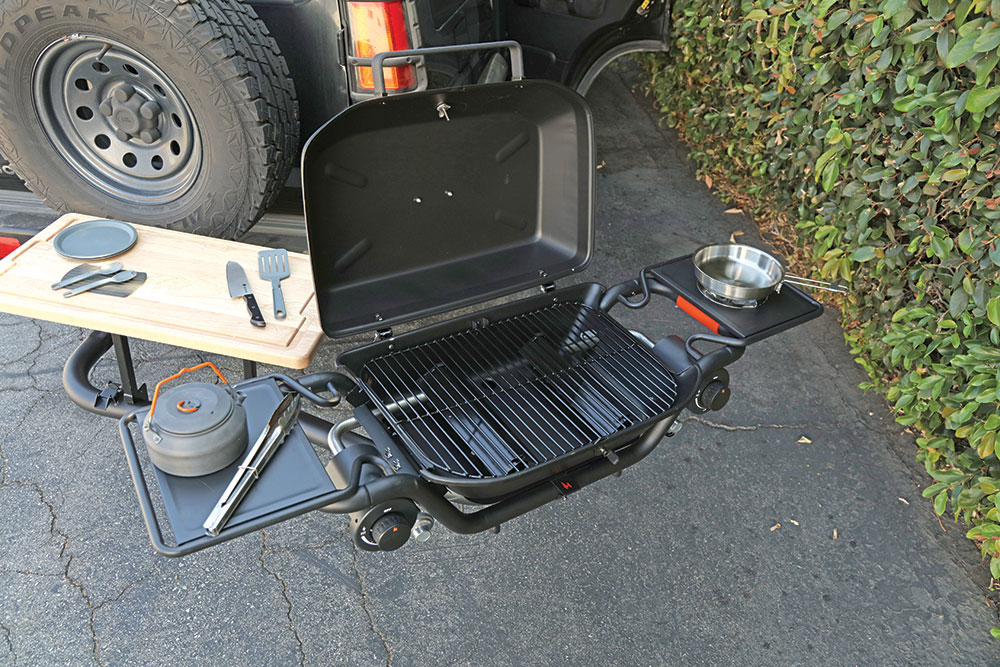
(156, 391)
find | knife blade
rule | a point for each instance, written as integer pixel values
(239, 286)
(278, 427)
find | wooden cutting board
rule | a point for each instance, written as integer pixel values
(184, 301)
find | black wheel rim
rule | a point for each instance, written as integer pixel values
(117, 119)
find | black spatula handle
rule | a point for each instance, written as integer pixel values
(256, 318)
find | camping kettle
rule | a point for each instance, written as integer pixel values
(197, 428)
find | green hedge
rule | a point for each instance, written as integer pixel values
(874, 127)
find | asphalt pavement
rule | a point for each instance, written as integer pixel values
(786, 529)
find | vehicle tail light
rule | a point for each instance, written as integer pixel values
(377, 27)
(8, 245)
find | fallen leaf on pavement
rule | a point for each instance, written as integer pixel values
(903, 500)
(601, 165)
(793, 522)
(734, 210)
(775, 527)
(732, 237)
(834, 533)
(803, 441)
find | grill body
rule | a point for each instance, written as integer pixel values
(491, 403)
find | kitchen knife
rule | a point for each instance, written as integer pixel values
(238, 286)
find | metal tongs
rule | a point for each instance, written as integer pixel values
(277, 429)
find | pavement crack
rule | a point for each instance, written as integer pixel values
(32, 352)
(4, 461)
(9, 642)
(8, 480)
(367, 610)
(300, 647)
(63, 537)
(121, 593)
(740, 427)
(32, 573)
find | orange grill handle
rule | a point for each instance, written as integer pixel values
(697, 314)
(156, 392)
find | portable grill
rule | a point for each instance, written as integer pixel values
(422, 203)
(488, 409)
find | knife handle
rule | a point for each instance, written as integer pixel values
(256, 318)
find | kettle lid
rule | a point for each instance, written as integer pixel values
(193, 409)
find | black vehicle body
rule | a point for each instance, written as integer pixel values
(569, 41)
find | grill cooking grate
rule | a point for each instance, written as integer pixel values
(510, 395)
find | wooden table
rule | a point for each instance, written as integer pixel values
(184, 301)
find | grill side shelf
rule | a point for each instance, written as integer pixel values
(784, 310)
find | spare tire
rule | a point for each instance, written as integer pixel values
(174, 113)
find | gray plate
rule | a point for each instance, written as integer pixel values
(95, 239)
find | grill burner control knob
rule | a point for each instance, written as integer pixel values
(714, 396)
(391, 531)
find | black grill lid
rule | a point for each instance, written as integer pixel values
(421, 203)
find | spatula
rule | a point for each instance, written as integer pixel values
(273, 266)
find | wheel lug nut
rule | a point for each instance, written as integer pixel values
(124, 92)
(149, 136)
(149, 110)
(106, 107)
(123, 135)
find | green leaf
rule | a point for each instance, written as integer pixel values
(756, 15)
(822, 160)
(989, 530)
(961, 52)
(830, 173)
(987, 444)
(837, 19)
(993, 310)
(939, 502)
(824, 7)
(985, 67)
(965, 242)
(988, 39)
(863, 254)
(948, 476)
(980, 98)
(995, 631)
(934, 489)
(958, 302)
(954, 175)
(891, 7)
(907, 103)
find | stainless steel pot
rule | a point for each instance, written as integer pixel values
(743, 273)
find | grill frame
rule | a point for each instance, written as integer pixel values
(547, 417)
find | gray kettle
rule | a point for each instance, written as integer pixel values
(197, 428)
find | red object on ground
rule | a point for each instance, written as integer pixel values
(8, 245)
